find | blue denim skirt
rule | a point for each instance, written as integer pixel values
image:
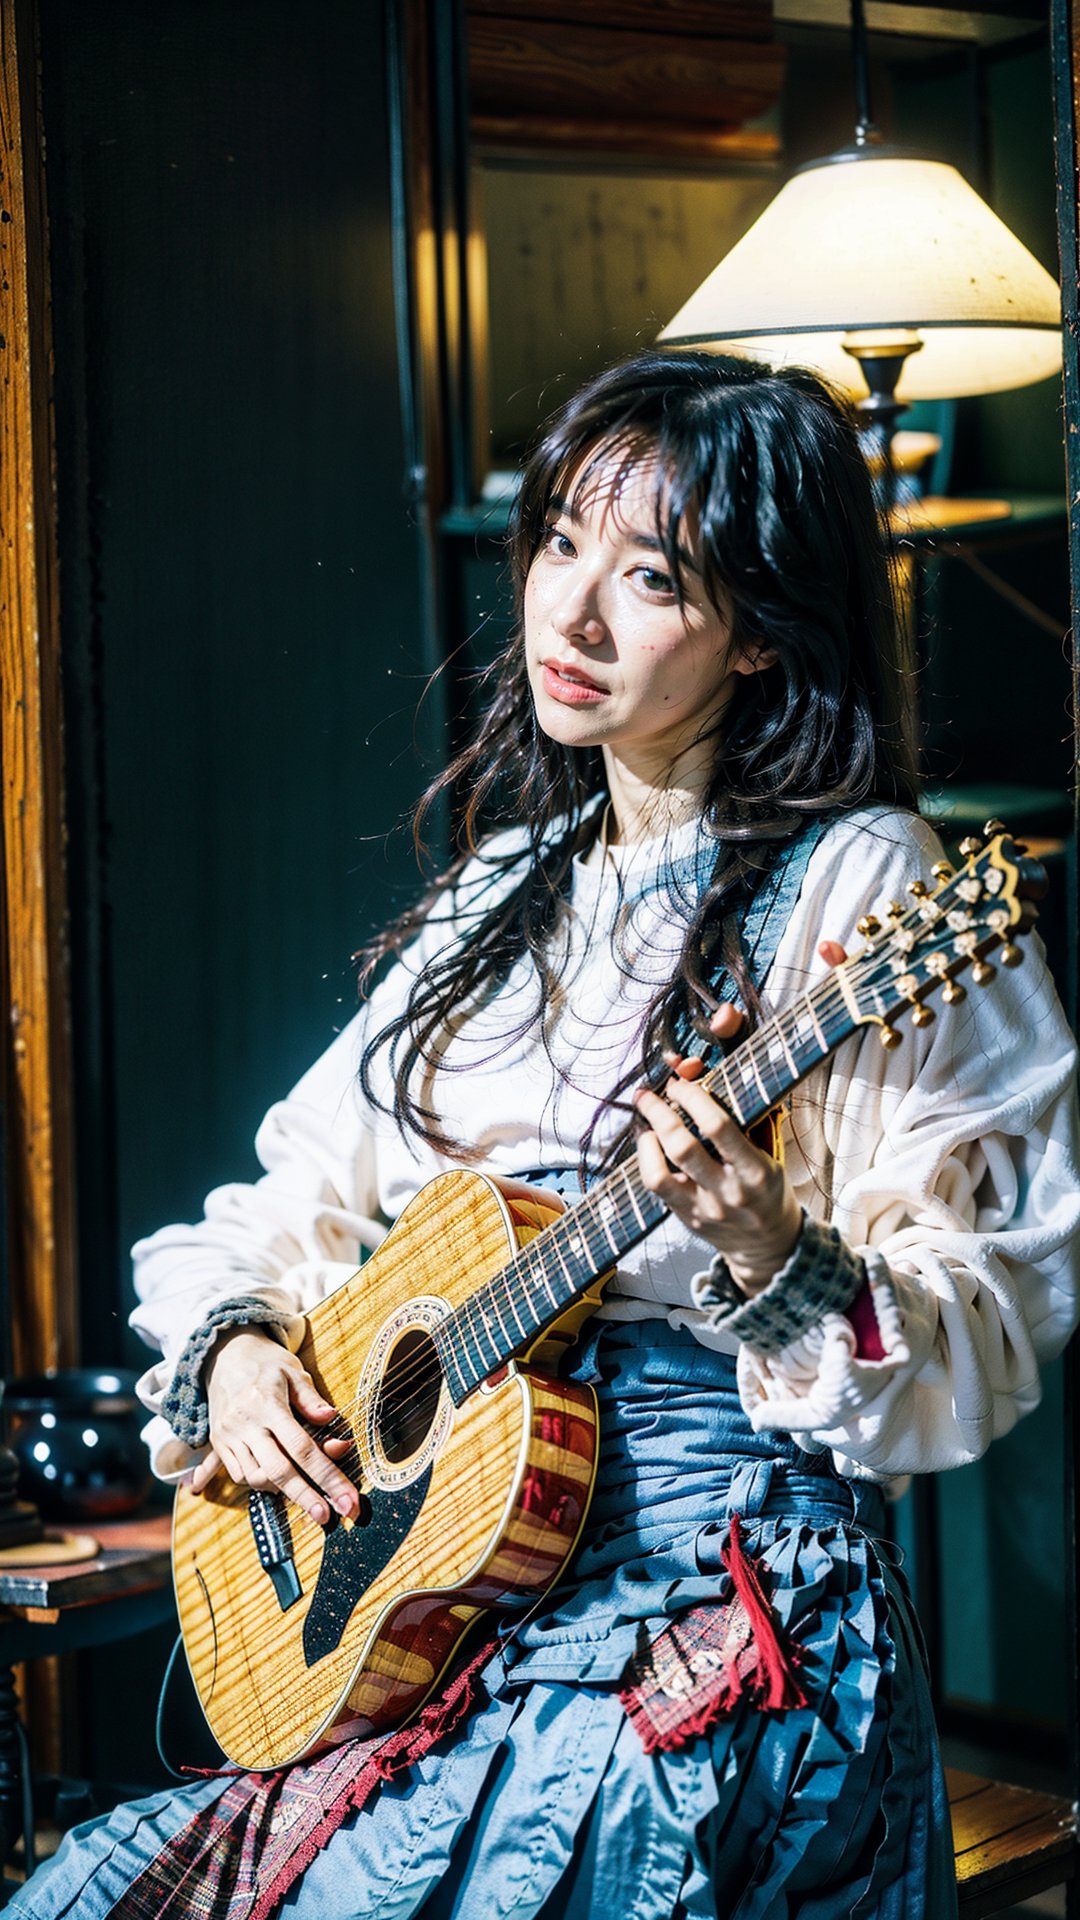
(545, 1806)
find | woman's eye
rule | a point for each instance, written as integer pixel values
(559, 544)
(656, 581)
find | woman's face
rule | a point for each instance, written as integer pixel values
(614, 661)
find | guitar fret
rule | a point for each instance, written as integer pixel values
(821, 1040)
(533, 1270)
(604, 1209)
(785, 1050)
(493, 1296)
(556, 1241)
(445, 1346)
(765, 1094)
(512, 1304)
(638, 1215)
(483, 1363)
(478, 1302)
(730, 1100)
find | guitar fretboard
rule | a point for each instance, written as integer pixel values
(545, 1278)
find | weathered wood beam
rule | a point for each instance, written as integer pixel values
(37, 1091)
(538, 68)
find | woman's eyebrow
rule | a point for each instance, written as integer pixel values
(559, 504)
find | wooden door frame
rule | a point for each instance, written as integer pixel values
(36, 1084)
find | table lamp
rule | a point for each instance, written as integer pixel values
(877, 263)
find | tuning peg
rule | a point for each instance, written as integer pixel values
(992, 827)
(868, 926)
(894, 910)
(970, 846)
(923, 1016)
(942, 870)
(918, 889)
(954, 993)
(982, 973)
(1010, 956)
(889, 1037)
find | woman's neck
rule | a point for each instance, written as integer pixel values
(645, 802)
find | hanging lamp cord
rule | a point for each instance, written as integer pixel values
(866, 133)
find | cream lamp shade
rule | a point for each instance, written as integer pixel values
(870, 242)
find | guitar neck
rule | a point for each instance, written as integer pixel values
(968, 914)
(545, 1278)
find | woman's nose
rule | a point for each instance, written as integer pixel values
(576, 613)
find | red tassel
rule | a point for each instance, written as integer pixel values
(774, 1685)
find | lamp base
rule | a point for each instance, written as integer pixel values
(881, 359)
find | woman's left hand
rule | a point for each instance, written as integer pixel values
(719, 1184)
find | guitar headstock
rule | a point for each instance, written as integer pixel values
(976, 910)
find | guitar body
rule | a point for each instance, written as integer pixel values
(297, 1635)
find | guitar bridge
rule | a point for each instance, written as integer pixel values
(273, 1544)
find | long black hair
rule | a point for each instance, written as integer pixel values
(767, 466)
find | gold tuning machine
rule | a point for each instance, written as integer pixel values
(982, 973)
(970, 846)
(868, 926)
(954, 993)
(918, 889)
(894, 910)
(889, 1037)
(922, 1015)
(942, 870)
(1009, 955)
(992, 827)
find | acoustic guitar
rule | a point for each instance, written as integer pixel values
(474, 1461)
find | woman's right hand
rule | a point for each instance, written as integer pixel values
(258, 1394)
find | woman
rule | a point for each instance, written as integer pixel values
(694, 773)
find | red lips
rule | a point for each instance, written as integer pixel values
(565, 681)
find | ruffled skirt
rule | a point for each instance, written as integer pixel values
(545, 1805)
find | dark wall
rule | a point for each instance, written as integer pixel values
(240, 600)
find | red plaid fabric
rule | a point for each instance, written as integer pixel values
(237, 1859)
(710, 1660)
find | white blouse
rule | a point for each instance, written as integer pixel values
(951, 1164)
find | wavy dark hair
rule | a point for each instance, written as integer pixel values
(765, 466)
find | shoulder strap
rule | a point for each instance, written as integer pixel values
(762, 923)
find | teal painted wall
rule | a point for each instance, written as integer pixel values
(241, 609)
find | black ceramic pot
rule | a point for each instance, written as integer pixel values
(76, 1437)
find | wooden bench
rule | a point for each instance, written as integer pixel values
(1010, 1842)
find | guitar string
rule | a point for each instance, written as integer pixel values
(871, 974)
(458, 1489)
(355, 1412)
(870, 971)
(450, 1490)
(466, 1480)
(350, 1412)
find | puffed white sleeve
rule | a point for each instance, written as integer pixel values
(284, 1240)
(952, 1166)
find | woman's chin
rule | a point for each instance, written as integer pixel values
(570, 726)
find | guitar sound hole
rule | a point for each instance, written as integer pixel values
(408, 1396)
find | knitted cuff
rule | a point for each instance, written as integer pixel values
(822, 1276)
(184, 1404)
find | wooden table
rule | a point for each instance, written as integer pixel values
(125, 1590)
